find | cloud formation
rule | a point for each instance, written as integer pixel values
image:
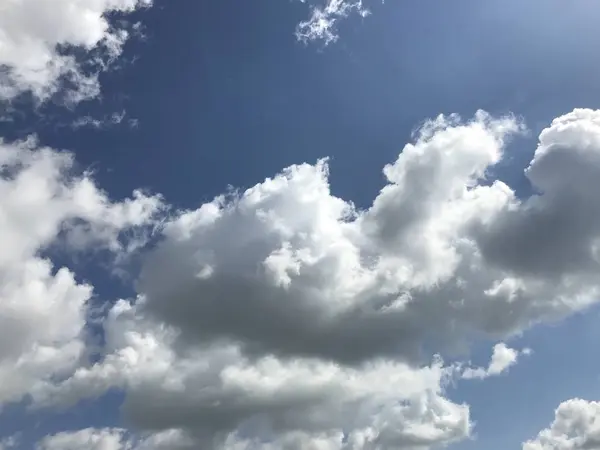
(114, 439)
(285, 317)
(37, 38)
(503, 358)
(8, 443)
(105, 439)
(575, 427)
(42, 307)
(315, 274)
(220, 398)
(323, 21)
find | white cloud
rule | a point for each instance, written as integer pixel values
(114, 439)
(284, 317)
(575, 427)
(503, 358)
(34, 34)
(105, 439)
(315, 274)
(322, 24)
(223, 399)
(42, 307)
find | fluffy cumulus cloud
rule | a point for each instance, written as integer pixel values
(323, 21)
(575, 427)
(218, 397)
(283, 317)
(288, 269)
(43, 308)
(37, 39)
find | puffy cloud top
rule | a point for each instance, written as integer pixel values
(575, 427)
(35, 36)
(42, 307)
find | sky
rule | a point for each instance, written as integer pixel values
(299, 225)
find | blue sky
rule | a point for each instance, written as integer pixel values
(221, 94)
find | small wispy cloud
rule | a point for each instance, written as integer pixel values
(322, 24)
(113, 119)
(10, 442)
(503, 357)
